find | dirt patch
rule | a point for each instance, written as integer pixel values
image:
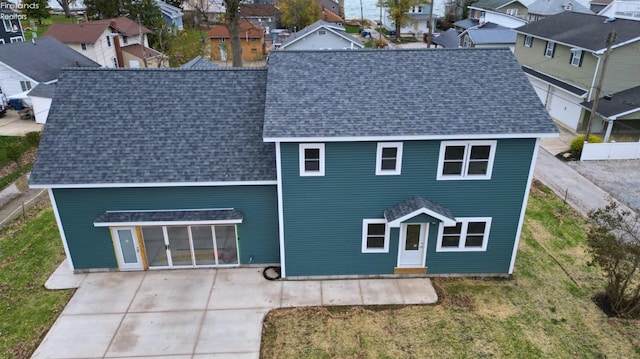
(568, 156)
(28, 157)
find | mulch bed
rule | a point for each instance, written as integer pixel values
(568, 156)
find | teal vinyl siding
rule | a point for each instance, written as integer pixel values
(91, 247)
(323, 215)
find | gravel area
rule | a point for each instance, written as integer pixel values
(621, 178)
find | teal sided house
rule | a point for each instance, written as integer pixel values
(410, 169)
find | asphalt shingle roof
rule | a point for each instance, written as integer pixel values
(169, 216)
(43, 60)
(619, 103)
(109, 126)
(43, 90)
(586, 31)
(200, 63)
(448, 39)
(320, 24)
(492, 35)
(400, 93)
(551, 7)
(414, 204)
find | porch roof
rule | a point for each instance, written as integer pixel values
(415, 206)
(619, 104)
(559, 83)
(181, 216)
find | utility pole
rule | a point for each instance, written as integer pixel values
(610, 39)
(430, 25)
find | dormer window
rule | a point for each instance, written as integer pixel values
(568, 7)
(550, 49)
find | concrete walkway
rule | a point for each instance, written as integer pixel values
(200, 313)
(12, 125)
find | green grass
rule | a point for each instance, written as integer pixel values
(30, 250)
(6, 141)
(352, 29)
(40, 29)
(544, 311)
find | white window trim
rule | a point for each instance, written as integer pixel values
(465, 160)
(463, 235)
(549, 49)
(398, 169)
(16, 39)
(1, 41)
(7, 22)
(528, 40)
(512, 12)
(575, 58)
(25, 85)
(365, 228)
(305, 146)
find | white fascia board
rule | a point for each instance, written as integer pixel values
(409, 138)
(158, 184)
(446, 220)
(615, 117)
(165, 223)
(603, 50)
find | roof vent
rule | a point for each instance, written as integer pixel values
(609, 19)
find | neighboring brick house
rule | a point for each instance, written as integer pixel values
(251, 40)
(118, 42)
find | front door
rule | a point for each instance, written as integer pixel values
(127, 249)
(412, 245)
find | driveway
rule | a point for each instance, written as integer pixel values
(12, 125)
(200, 313)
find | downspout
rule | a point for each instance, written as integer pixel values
(116, 44)
(595, 75)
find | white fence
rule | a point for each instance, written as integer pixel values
(610, 151)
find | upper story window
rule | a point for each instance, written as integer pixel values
(83, 47)
(125, 40)
(109, 40)
(25, 85)
(467, 235)
(466, 42)
(115, 62)
(389, 158)
(528, 40)
(322, 32)
(222, 39)
(466, 160)
(375, 236)
(311, 159)
(17, 39)
(550, 49)
(576, 57)
(8, 27)
(512, 12)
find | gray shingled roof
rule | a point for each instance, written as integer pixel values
(200, 63)
(43, 90)
(168, 216)
(466, 23)
(492, 35)
(619, 103)
(546, 78)
(448, 39)
(552, 7)
(415, 204)
(585, 31)
(408, 93)
(43, 59)
(109, 126)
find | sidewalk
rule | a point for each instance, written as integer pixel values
(197, 313)
(18, 197)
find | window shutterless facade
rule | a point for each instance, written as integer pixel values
(375, 236)
(311, 159)
(467, 235)
(466, 160)
(389, 158)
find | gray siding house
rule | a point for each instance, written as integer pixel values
(320, 183)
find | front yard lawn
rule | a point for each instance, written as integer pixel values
(30, 250)
(545, 311)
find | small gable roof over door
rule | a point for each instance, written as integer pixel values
(416, 206)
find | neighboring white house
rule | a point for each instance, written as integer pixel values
(41, 97)
(321, 35)
(24, 65)
(623, 9)
(103, 41)
(417, 23)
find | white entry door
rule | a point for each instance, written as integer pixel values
(412, 245)
(127, 249)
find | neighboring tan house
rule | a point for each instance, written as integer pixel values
(251, 41)
(172, 16)
(26, 65)
(265, 15)
(282, 170)
(622, 9)
(507, 13)
(118, 42)
(11, 29)
(543, 8)
(562, 56)
(321, 36)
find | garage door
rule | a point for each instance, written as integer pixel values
(564, 107)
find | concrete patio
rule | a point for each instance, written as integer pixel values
(200, 313)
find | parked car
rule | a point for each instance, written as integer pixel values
(366, 34)
(391, 33)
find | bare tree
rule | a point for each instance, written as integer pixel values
(232, 18)
(202, 9)
(66, 6)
